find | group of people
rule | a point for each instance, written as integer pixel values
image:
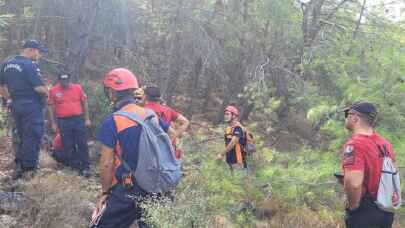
(120, 137)
(26, 95)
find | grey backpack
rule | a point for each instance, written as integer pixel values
(157, 169)
(389, 187)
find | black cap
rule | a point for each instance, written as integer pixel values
(363, 107)
(153, 91)
(35, 45)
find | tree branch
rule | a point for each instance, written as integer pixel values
(359, 21)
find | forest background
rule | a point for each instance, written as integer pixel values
(290, 65)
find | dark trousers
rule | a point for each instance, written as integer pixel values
(121, 211)
(29, 121)
(368, 215)
(74, 139)
(61, 157)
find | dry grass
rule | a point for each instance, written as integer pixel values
(63, 200)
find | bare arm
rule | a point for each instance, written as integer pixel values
(183, 125)
(172, 133)
(51, 115)
(41, 90)
(106, 167)
(232, 144)
(353, 181)
(4, 92)
(85, 105)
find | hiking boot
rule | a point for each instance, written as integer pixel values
(85, 173)
(17, 173)
(28, 175)
(21, 173)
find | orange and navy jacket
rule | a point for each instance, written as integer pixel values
(235, 156)
(122, 135)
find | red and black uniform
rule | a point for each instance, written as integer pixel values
(168, 115)
(165, 112)
(236, 155)
(363, 153)
(67, 106)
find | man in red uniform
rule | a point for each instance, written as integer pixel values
(68, 103)
(362, 164)
(166, 113)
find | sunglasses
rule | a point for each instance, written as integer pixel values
(348, 113)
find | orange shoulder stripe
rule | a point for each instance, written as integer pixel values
(122, 122)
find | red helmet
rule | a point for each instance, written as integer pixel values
(232, 109)
(120, 79)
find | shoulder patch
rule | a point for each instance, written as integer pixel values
(348, 156)
(348, 150)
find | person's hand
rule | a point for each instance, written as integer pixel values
(395, 199)
(54, 127)
(180, 134)
(350, 208)
(220, 156)
(101, 202)
(87, 123)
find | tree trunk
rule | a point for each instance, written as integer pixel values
(194, 87)
(80, 42)
(15, 33)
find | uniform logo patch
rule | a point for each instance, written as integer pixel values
(348, 156)
(58, 94)
(348, 150)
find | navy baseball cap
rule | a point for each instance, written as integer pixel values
(35, 45)
(363, 107)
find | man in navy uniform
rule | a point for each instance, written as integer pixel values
(20, 82)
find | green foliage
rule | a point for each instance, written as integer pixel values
(315, 113)
(98, 104)
(261, 50)
(210, 190)
(4, 18)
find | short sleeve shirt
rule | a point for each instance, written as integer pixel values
(234, 155)
(67, 102)
(122, 136)
(361, 152)
(21, 75)
(231, 132)
(164, 112)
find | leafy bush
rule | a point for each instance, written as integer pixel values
(98, 104)
(280, 181)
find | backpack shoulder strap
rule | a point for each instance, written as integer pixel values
(383, 151)
(139, 120)
(238, 125)
(134, 117)
(244, 131)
